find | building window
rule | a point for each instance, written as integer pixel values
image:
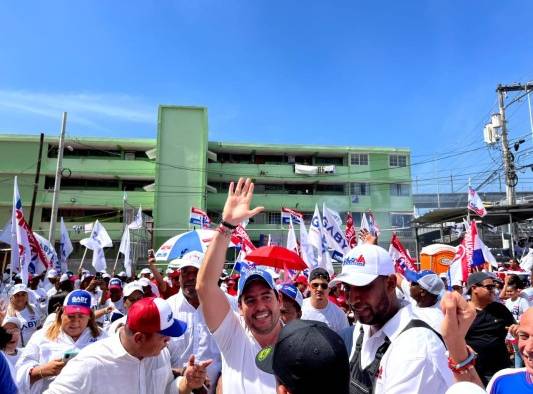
(401, 220)
(359, 189)
(400, 189)
(359, 159)
(397, 160)
(330, 189)
(274, 217)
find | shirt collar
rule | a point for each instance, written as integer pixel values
(395, 324)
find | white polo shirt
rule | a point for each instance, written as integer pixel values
(239, 348)
(106, 367)
(196, 340)
(414, 362)
(332, 315)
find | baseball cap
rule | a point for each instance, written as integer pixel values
(292, 292)
(428, 280)
(475, 278)
(317, 273)
(144, 282)
(13, 320)
(122, 274)
(191, 259)
(301, 279)
(52, 274)
(115, 283)
(130, 288)
(105, 275)
(363, 264)
(306, 352)
(20, 288)
(248, 276)
(151, 315)
(64, 278)
(145, 271)
(77, 301)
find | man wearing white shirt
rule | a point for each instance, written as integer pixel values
(318, 307)
(392, 351)
(186, 307)
(239, 336)
(135, 361)
(423, 292)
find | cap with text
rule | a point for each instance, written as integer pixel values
(363, 264)
(115, 283)
(248, 276)
(77, 301)
(292, 292)
(153, 315)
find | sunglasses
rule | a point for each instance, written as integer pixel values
(488, 287)
(323, 286)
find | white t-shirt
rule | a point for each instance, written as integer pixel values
(12, 361)
(106, 367)
(30, 322)
(517, 307)
(432, 315)
(332, 315)
(528, 295)
(239, 348)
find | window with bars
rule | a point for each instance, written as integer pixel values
(359, 189)
(359, 159)
(400, 189)
(398, 161)
(274, 217)
(401, 220)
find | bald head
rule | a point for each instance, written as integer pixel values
(525, 339)
(527, 318)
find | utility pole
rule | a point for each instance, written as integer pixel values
(57, 183)
(37, 175)
(511, 179)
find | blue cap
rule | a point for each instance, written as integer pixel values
(251, 275)
(115, 283)
(77, 301)
(413, 276)
(292, 292)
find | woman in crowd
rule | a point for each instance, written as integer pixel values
(28, 314)
(11, 326)
(52, 347)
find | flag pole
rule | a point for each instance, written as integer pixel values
(468, 209)
(116, 261)
(82, 260)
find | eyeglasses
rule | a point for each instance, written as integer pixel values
(488, 287)
(323, 286)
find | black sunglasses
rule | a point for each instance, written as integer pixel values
(323, 286)
(488, 287)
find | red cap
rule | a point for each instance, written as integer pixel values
(301, 279)
(151, 315)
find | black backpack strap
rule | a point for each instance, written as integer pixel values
(415, 323)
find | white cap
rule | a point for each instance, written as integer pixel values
(443, 275)
(191, 259)
(363, 264)
(106, 275)
(130, 288)
(465, 388)
(174, 264)
(144, 282)
(145, 271)
(431, 283)
(52, 274)
(18, 289)
(12, 319)
(122, 273)
(64, 278)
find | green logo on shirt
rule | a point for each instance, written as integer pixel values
(264, 353)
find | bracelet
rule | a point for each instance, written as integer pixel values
(224, 230)
(228, 225)
(41, 373)
(464, 365)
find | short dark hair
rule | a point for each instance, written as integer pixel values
(319, 273)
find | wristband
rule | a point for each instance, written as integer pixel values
(224, 230)
(228, 225)
(463, 366)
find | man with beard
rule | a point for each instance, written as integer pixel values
(239, 338)
(318, 307)
(392, 351)
(198, 340)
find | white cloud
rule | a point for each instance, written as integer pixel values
(86, 109)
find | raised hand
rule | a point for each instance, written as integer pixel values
(196, 374)
(237, 207)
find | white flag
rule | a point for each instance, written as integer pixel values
(306, 249)
(292, 243)
(137, 221)
(99, 238)
(48, 250)
(317, 239)
(125, 250)
(334, 235)
(474, 202)
(65, 247)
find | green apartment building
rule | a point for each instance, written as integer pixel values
(182, 168)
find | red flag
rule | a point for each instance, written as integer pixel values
(241, 237)
(401, 258)
(350, 231)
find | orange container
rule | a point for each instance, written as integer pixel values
(436, 257)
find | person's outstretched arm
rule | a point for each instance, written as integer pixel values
(214, 303)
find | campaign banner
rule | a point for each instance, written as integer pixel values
(287, 214)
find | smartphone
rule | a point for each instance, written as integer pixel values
(69, 355)
(151, 254)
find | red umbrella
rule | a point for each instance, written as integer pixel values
(277, 257)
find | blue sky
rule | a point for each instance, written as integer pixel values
(417, 74)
